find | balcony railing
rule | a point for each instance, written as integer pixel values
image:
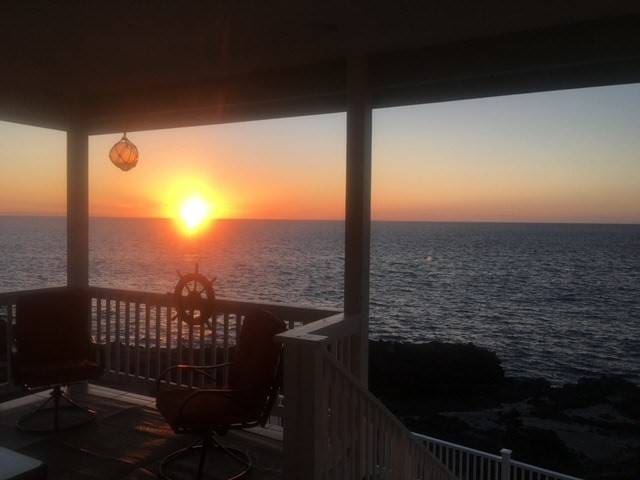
(137, 335)
(470, 464)
(333, 426)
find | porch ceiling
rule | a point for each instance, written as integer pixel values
(137, 65)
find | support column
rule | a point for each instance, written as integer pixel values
(358, 209)
(77, 207)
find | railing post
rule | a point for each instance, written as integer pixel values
(506, 464)
(305, 419)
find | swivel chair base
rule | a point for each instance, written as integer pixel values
(209, 441)
(57, 396)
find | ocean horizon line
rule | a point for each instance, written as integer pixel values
(337, 220)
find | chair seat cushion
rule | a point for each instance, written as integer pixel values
(206, 410)
(37, 375)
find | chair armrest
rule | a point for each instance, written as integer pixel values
(200, 369)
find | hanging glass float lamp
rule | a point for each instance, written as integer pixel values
(124, 154)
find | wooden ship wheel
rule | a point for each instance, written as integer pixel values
(195, 298)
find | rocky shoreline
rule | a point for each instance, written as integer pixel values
(459, 393)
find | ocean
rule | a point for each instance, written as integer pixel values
(558, 301)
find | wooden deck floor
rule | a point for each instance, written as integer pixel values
(127, 441)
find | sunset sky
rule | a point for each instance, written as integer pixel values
(569, 156)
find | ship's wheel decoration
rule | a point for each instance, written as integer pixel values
(195, 298)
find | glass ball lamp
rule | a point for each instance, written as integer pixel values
(124, 154)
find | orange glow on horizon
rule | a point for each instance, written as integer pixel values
(566, 156)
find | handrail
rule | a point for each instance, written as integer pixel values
(313, 313)
(543, 471)
(9, 297)
(322, 330)
(467, 463)
(457, 446)
(240, 305)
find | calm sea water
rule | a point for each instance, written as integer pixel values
(558, 301)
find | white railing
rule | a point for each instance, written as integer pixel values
(334, 427)
(137, 335)
(470, 464)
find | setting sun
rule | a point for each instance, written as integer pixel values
(195, 212)
(193, 203)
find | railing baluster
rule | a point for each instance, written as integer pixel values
(98, 330)
(158, 339)
(127, 322)
(9, 329)
(225, 340)
(108, 335)
(190, 353)
(201, 351)
(137, 339)
(117, 335)
(147, 338)
(179, 346)
(168, 337)
(214, 343)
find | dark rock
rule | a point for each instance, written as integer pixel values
(418, 382)
(517, 389)
(541, 447)
(591, 391)
(440, 426)
(434, 367)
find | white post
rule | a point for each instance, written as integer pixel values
(358, 210)
(305, 420)
(77, 207)
(506, 464)
(78, 217)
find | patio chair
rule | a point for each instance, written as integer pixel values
(253, 383)
(53, 349)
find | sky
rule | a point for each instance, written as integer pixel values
(564, 156)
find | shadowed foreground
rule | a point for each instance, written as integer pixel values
(128, 440)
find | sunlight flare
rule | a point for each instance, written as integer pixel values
(195, 212)
(193, 203)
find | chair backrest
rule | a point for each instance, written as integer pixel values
(255, 369)
(52, 327)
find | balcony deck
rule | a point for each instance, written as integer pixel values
(127, 441)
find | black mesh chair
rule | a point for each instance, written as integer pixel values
(254, 381)
(53, 349)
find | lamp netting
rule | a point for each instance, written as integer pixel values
(124, 154)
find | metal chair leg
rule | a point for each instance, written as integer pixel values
(208, 441)
(57, 395)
